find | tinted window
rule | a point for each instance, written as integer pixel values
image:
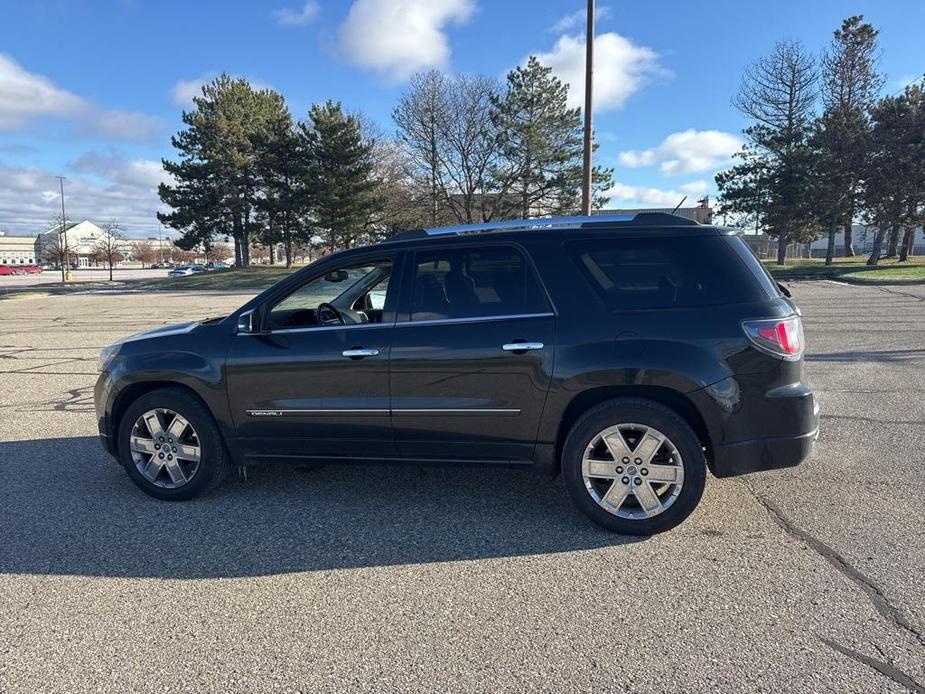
(666, 272)
(751, 261)
(470, 283)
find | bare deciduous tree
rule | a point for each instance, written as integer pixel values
(110, 244)
(143, 251)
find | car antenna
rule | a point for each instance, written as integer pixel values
(679, 205)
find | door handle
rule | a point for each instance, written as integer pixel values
(360, 352)
(521, 346)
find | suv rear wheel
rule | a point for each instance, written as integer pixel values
(170, 445)
(634, 466)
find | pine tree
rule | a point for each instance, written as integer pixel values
(342, 191)
(216, 180)
(850, 83)
(773, 180)
(540, 142)
(894, 177)
(280, 165)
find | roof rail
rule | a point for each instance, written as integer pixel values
(638, 219)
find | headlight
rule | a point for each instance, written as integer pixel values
(106, 356)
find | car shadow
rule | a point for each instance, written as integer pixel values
(68, 509)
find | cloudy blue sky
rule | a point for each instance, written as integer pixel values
(93, 89)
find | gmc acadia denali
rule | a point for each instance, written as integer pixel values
(629, 353)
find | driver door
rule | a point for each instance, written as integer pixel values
(310, 384)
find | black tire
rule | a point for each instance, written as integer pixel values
(645, 412)
(213, 464)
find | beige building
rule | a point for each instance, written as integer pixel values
(83, 241)
(18, 250)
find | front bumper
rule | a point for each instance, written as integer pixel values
(101, 398)
(742, 457)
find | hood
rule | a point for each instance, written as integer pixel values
(164, 330)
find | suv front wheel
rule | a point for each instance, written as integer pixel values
(170, 445)
(633, 466)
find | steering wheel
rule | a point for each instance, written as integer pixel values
(328, 314)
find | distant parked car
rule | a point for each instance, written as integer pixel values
(180, 271)
(158, 266)
(33, 269)
(217, 265)
(7, 270)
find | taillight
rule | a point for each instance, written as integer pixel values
(780, 337)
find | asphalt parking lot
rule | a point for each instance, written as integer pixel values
(11, 283)
(407, 579)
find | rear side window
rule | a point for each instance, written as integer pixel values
(474, 282)
(666, 272)
(759, 271)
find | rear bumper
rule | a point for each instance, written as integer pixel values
(742, 457)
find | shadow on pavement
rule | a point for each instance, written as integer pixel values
(66, 508)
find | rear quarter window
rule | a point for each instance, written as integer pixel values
(659, 273)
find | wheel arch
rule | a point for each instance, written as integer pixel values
(133, 391)
(673, 399)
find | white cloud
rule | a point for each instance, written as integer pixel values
(688, 151)
(183, 92)
(399, 37)
(630, 197)
(578, 20)
(300, 17)
(621, 68)
(98, 187)
(26, 97)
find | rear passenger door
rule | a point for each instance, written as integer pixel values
(472, 355)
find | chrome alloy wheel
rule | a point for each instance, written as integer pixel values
(632, 471)
(165, 448)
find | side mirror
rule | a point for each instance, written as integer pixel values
(249, 322)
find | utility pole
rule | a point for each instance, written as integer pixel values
(63, 233)
(589, 81)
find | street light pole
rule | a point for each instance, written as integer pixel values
(63, 233)
(589, 88)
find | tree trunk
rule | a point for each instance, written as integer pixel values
(878, 242)
(110, 270)
(781, 250)
(894, 241)
(849, 247)
(830, 248)
(906, 244)
(272, 253)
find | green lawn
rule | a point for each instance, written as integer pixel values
(257, 277)
(849, 268)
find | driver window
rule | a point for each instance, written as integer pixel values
(344, 296)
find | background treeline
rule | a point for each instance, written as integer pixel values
(465, 149)
(825, 148)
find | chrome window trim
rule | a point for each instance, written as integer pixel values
(474, 319)
(320, 328)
